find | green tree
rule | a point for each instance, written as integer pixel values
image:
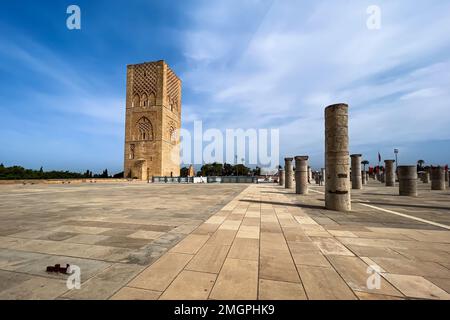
(420, 165)
(184, 172)
(241, 170)
(118, 175)
(17, 172)
(105, 174)
(257, 171)
(211, 169)
(227, 169)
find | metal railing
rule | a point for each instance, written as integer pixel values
(213, 179)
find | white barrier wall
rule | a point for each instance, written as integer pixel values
(200, 180)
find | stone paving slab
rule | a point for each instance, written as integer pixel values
(269, 243)
(112, 231)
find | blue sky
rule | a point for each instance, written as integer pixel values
(244, 64)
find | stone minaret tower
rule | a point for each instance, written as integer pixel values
(152, 122)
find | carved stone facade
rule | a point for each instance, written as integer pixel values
(152, 121)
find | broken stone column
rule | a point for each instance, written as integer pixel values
(301, 175)
(437, 178)
(407, 177)
(289, 173)
(322, 176)
(281, 177)
(389, 173)
(310, 175)
(356, 171)
(425, 177)
(337, 183)
(364, 177)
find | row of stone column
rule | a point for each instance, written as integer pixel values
(302, 174)
(408, 178)
(360, 178)
(337, 167)
(438, 176)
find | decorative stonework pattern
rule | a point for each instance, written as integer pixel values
(145, 79)
(145, 129)
(173, 90)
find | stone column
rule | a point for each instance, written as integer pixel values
(356, 171)
(389, 173)
(281, 177)
(407, 177)
(301, 175)
(322, 175)
(364, 177)
(446, 175)
(288, 174)
(310, 176)
(316, 178)
(337, 183)
(437, 178)
(426, 177)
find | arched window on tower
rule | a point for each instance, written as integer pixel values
(172, 135)
(170, 104)
(152, 100)
(144, 100)
(132, 149)
(145, 129)
(136, 101)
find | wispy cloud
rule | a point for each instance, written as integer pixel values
(303, 56)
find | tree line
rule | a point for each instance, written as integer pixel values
(19, 173)
(226, 169)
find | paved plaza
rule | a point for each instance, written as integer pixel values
(111, 231)
(223, 241)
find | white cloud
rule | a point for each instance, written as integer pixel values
(302, 56)
(422, 93)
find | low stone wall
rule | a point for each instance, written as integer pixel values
(62, 181)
